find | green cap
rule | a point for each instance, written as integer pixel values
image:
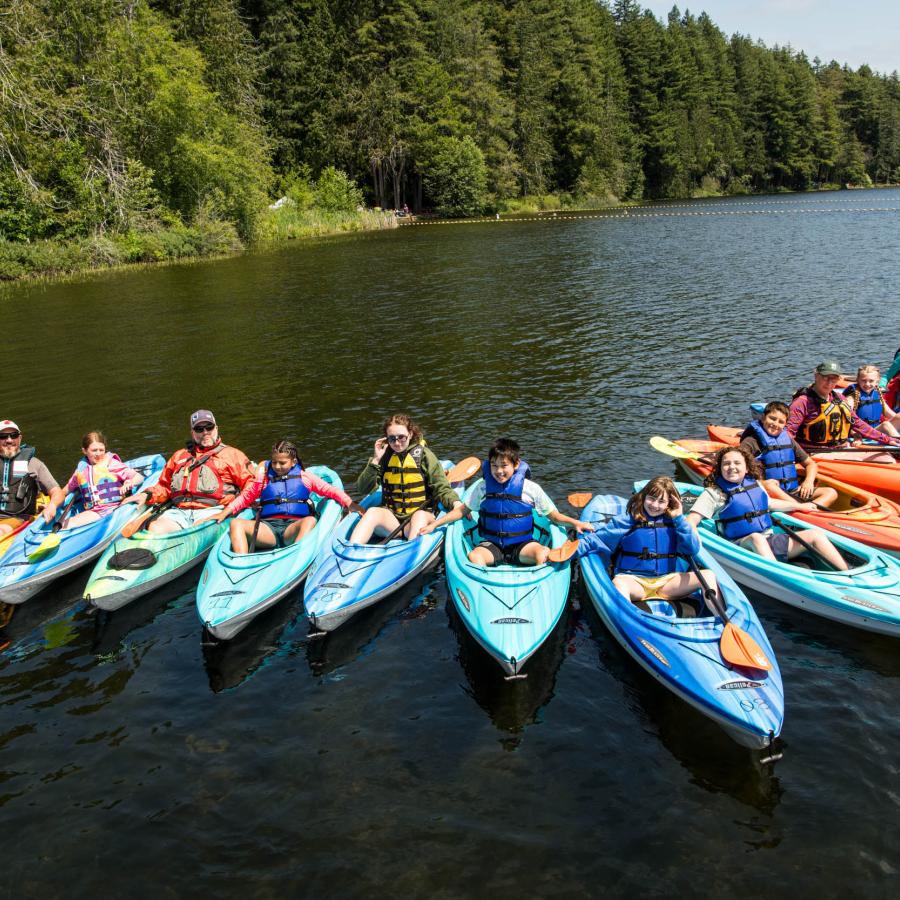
(829, 367)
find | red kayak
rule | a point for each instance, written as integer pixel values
(876, 477)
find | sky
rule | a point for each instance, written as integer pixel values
(851, 31)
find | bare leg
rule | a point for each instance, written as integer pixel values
(533, 554)
(163, 525)
(299, 529)
(419, 519)
(481, 556)
(378, 517)
(82, 519)
(241, 529)
(824, 496)
(758, 544)
(821, 543)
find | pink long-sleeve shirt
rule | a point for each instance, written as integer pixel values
(250, 494)
(804, 408)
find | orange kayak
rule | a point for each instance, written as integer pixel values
(876, 477)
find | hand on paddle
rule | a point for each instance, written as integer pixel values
(222, 515)
(354, 507)
(49, 512)
(140, 498)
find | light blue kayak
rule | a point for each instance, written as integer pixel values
(24, 571)
(509, 610)
(683, 653)
(235, 588)
(867, 596)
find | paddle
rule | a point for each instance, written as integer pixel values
(795, 534)
(146, 517)
(670, 448)
(736, 646)
(252, 547)
(868, 448)
(564, 552)
(51, 541)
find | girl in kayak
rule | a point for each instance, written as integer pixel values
(735, 497)
(507, 500)
(869, 403)
(101, 479)
(282, 487)
(412, 481)
(643, 545)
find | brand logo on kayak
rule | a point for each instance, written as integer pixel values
(226, 593)
(463, 598)
(511, 620)
(656, 653)
(860, 602)
(739, 685)
(851, 528)
(335, 584)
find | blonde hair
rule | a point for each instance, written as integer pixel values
(867, 368)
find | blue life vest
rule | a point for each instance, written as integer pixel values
(647, 548)
(868, 405)
(504, 517)
(285, 496)
(777, 455)
(747, 509)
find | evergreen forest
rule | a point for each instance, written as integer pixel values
(123, 119)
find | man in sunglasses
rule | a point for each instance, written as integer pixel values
(199, 480)
(22, 478)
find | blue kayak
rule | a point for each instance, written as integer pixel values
(234, 588)
(509, 610)
(25, 569)
(683, 653)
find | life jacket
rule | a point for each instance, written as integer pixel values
(97, 485)
(868, 405)
(505, 518)
(404, 488)
(18, 487)
(285, 496)
(196, 480)
(830, 426)
(777, 455)
(746, 510)
(647, 548)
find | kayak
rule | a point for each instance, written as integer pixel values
(858, 514)
(134, 566)
(683, 654)
(867, 596)
(235, 588)
(878, 477)
(348, 577)
(509, 610)
(26, 569)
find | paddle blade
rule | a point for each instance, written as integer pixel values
(579, 499)
(561, 554)
(739, 649)
(49, 543)
(670, 448)
(464, 469)
(135, 524)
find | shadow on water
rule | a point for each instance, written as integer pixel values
(715, 762)
(512, 705)
(347, 643)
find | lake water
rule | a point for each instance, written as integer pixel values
(391, 759)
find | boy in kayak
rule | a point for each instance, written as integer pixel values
(870, 404)
(506, 500)
(769, 441)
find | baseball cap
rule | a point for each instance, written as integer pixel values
(201, 416)
(9, 425)
(829, 367)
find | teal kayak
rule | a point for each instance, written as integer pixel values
(509, 610)
(134, 566)
(234, 588)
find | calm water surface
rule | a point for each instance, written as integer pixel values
(391, 758)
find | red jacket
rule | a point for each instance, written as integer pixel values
(221, 476)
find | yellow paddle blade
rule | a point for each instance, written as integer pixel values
(561, 554)
(670, 448)
(464, 469)
(739, 649)
(51, 542)
(579, 499)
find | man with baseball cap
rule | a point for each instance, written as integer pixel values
(22, 477)
(198, 480)
(821, 417)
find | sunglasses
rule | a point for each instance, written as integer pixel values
(397, 438)
(10, 435)
(201, 428)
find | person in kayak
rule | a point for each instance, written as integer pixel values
(892, 372)
(507, 500)
(869, 402)
(22, 478)
(643, 545)
(769, 442)
(820, 418)
(101, 479)
(735, 497)
(283, 488)
(411, 479)
(198, 479)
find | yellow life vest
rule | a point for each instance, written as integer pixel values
(403, 485)
(832, 424)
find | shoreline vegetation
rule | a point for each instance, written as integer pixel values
(149, 131)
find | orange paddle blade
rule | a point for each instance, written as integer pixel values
(739, 649)
(566, 551)
(135, 524)
(464, 469)
(580, 499)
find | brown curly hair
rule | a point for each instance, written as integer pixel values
(754, 469)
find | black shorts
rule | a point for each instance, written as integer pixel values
(279, 525)
(509, 556)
